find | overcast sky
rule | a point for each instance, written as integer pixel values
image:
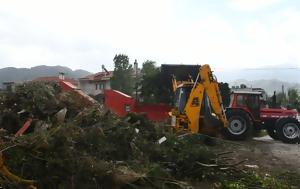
(85, 34)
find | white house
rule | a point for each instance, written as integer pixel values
(95, 84)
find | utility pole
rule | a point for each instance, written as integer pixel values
(136, 79)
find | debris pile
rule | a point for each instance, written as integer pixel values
(71, 146)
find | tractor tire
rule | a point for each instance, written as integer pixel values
(272, 133)
(288, 130)
(239, 125)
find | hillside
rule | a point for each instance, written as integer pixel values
(25, 74)
(287, 74)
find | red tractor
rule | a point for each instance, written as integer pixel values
(247, 112)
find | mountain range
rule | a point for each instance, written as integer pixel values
(271, 79)
(269, 85)
(26, 74)
(286, 74)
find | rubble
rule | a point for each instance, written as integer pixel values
(71, 146)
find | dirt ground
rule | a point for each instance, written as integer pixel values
(266, 154)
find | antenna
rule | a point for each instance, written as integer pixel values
(103, 68)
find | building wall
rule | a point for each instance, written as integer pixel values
(86, 86)
(9, 86)
(118, 102)
(94, 88)
(121, 104)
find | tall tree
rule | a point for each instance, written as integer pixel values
(150, 82)
(293, 99)
(122, 79)
(281, 99)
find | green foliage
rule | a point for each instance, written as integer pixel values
(95, 149)
(293, 99)
(150, 82)
(36, 98)
(153, 89)
(149, 68)
(253, 180)
(122, 79)
(281, 99)
(156, 85)
(289, 100)
(225, 93)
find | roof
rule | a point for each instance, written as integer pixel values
(55, 79)
(247, 92)
(100, 76)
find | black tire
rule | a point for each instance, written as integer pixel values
(272, 133)
(271, 130)
(288, 130)
(239, 125)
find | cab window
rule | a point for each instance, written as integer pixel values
(240, 100)
(253, 102)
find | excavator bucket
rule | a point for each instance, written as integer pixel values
(209, 123)
(181, 72)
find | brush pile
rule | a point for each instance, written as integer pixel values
(71, 146)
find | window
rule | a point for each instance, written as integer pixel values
(96, 86)
(253, 102)
(127, 108)
(240, 100)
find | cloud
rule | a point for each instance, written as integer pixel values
(75, 31)
(85, 35)
(252, 5)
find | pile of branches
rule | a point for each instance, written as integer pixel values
(88, 147)
(111, 153)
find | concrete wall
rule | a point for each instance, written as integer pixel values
(90, 87)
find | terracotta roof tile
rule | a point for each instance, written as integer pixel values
(55, 79)
(100, 76)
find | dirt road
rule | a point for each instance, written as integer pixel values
(267, 154)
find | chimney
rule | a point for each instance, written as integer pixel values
(61, 76)
(104, 70)
(135, 67)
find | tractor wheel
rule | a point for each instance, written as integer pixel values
(272, 133)
(239, 125)
(288, 130)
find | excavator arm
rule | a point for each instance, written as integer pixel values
(212, 90)
(205, 83)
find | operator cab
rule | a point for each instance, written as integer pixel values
(207, 118)
(251, 101)
(181, 97)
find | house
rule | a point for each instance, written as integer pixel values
(9, 86)
(95, 84)
(56, 79)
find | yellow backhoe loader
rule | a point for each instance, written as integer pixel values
(198, 104)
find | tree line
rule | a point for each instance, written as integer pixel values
(289, 99)
(149, 83)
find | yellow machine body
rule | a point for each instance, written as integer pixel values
(191, 97)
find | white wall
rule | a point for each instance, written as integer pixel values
(90, 87)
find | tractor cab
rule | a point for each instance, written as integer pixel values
(249, 101)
